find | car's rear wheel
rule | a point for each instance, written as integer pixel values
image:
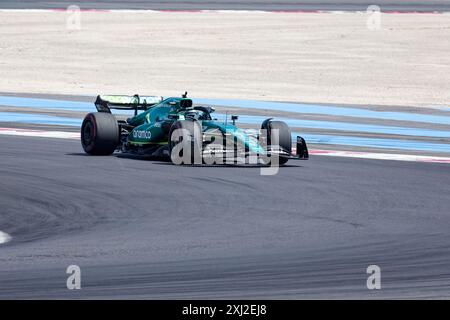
(284, 136)
(185, 142)
(99, 133)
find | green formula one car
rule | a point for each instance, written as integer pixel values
(175, 129)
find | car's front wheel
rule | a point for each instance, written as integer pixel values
(284, 137)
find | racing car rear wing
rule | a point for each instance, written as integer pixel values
(136, 102)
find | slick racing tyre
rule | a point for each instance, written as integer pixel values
(99, 133)
(185, 142)
(285, 139)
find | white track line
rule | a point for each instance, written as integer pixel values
(4, 237)
(219, 11)
(380, 156)
(40, 133)
(331, 153)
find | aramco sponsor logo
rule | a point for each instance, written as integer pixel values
(142, 134)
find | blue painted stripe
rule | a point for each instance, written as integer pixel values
(300, 108)
(53, 104)
(331, 125)
(38, 119)
(327, 110)
(47, 119)
(276, 106)
(311, 138)
(46, 104)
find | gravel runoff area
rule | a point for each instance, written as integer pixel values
(306, 57)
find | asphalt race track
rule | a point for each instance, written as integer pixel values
(140, 228)
(288, 5)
